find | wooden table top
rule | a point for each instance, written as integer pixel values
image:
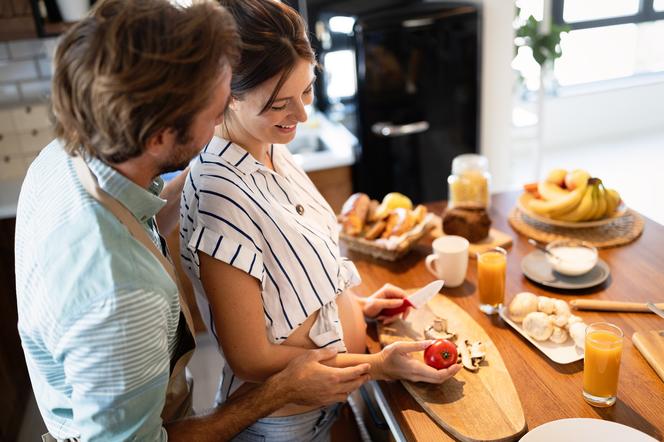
(548, 391)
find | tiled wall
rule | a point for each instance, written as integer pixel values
(25, 71)
(25, 74)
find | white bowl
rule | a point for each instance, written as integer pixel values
(571, 257)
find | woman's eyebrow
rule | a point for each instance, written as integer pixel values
(288, 98)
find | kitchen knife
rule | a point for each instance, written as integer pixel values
(615, 306)
(416, 300)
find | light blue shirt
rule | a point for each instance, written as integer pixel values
(98, 315)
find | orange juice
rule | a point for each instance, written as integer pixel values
(491, 269)
(604, 345)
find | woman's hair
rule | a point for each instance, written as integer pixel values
(135, 67)
(273, 38)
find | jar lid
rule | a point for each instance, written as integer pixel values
(469, 161)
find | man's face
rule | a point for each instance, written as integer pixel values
(202, 127)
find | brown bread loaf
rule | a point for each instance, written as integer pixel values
(471, 223)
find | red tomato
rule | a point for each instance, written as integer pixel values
(441, 354)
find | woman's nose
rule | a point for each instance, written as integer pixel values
(300, 112)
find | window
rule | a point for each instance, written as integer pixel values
(609, 39)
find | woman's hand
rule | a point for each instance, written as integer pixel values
(388, 296)
(395, 362)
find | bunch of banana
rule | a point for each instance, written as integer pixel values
(573, 196)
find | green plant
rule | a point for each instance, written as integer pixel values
(545, 47)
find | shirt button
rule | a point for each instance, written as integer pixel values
(300, 209)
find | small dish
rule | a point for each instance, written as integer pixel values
(537, 268)
(571, 257)
(564, 353)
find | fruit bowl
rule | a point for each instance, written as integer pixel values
(522, 205)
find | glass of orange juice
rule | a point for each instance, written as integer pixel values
(604, 343)
(491, 269)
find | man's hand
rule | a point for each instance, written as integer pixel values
(305, 381)
(396, 363)
(388, 296)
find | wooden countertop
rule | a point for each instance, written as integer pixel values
(548, 391)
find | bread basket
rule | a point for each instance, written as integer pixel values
(393, 248)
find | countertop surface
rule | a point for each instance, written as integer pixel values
(548, 391)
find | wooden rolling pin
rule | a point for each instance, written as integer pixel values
(613, 306)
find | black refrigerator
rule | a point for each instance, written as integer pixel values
(418, 90)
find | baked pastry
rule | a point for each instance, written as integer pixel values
(471, 223)
(354, 213)
(374, 230)
(399, 221)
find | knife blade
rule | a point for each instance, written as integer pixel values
(416, 300)
(656, 310)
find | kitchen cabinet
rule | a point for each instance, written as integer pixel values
(14, 381)
(334, 184)
(16, 20)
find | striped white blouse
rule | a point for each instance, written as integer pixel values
(274, 226)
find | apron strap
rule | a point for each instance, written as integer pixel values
(89, 182)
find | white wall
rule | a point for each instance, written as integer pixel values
(496, 93)
(605, 115)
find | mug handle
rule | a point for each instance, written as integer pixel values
(430, 263)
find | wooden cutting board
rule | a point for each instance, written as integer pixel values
(651, 346)
(480, 406)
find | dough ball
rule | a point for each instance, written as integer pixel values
(559, 335)
(561, 307)
(578, 333)
(545, 305)
(538, 325)
(522, 304)
(560, 320)
(572, 319)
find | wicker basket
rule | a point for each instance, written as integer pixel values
(378, 250)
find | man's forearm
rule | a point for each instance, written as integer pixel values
(232, 417)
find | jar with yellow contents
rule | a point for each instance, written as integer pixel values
(469, 183)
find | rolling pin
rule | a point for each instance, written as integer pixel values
(613, 306)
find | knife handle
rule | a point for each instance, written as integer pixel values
(613, 306)
(396, 310)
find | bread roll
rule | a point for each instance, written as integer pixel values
(354, 213)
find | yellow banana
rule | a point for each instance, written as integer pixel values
(551, 191)
(613, 200)
(582, 210)
(559, 205)
(601, 202)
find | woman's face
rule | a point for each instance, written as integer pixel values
(279, 122)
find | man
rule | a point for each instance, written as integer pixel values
(137, 91)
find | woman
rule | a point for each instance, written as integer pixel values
(261, 243)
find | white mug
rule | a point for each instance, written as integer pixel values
(449, 260)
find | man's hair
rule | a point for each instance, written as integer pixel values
(135, 67)
(274, 38)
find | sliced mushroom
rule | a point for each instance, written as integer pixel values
(438, 330)
(471, 354)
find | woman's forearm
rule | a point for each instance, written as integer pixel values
(259, 367)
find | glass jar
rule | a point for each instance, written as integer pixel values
(469, 183)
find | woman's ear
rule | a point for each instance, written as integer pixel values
(233, 102)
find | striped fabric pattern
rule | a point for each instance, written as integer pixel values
(98, 315)
(238, 211)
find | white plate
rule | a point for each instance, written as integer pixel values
(582, 429)
(564, 353)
